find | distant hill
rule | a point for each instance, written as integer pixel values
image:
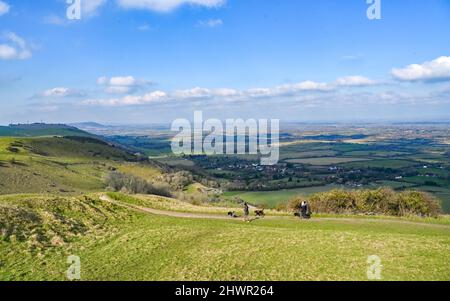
(88, 125)
(41, 129)
(55, 164)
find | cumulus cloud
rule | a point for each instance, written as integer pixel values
(198, 93)
(4, 8)
(90, 8)
(14, 48)
(122, 84)
(436, 70)
(289, 89)
(355, 81)
(300, 89)
(129, 100)
(304, 86)
(167, 5)
(60, 92)
(211, 23)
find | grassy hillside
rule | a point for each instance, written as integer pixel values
(115, 243)
(72, 165)
(39, 130)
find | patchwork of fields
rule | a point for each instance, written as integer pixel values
(320, 163)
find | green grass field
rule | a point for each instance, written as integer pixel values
(382, 164)
(325, 161)
(272, 198)
(115, 243)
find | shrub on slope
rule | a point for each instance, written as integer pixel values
(117, 181)
(382, 201)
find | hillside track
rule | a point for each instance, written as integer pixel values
(176, 214)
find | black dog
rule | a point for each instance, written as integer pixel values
(260, 213)
(232, 214)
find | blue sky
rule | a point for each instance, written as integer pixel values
(149, 61)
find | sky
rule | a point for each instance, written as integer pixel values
(153, 61)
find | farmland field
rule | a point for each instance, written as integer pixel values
(272, 198)
(382, 164)
(325, 161)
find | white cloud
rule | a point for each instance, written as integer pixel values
(4, 8)
(304, 86)
(7, 52)
(167, 5)
(210, 23)
(60, 92)
(293, 91)
(197, 93)
(15, 48)
(289, 89)
(355, 81)
(193, 93)
(436, 70)
(129, 100)
(122, 84)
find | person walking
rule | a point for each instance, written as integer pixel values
(302, 209)
(305, 212)
(246, 211)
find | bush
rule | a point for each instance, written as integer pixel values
(382, 201)
(281, 207)
(177, 181)
(418, 203)
(117, 181)
(295, 204)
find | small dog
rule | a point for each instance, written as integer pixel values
(232, 214)
(260, 213)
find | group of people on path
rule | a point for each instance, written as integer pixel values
(304, 211)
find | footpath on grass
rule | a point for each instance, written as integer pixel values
(176, 214)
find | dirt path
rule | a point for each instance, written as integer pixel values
(220, 217)
(166, 213)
